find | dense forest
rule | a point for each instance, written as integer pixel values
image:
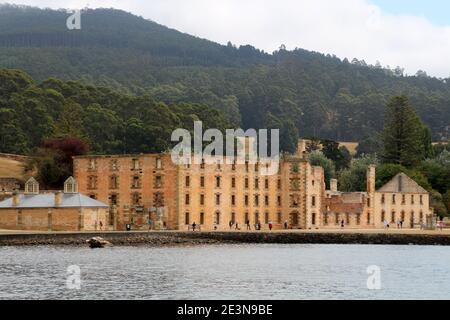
(107, 121)
(301, 92)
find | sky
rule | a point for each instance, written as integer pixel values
(413, 34)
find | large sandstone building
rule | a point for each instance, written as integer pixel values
(150, 191)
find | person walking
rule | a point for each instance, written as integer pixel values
(194, 225)
(230, 224)
(342, 224)
(270, 225)
(236, 226)
(248, 225)
(286, 225)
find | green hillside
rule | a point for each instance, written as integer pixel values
(303, 93)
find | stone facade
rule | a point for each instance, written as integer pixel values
(138, 187)
(399, 200)
(150, 191)
(60, 211)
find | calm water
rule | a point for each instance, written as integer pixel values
(226, 272)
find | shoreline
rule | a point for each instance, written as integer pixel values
(179, 238)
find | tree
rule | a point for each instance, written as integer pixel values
(318, 159)
(371, 145)
(386, 172)
(12, 137)
(446, 200)
(354, 178)
(53, 160)
(403, 134)
(428, 150)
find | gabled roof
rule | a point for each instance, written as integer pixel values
(47, 200)
(402, 183)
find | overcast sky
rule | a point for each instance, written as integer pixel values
(414, 34)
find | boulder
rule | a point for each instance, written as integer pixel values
(98, 242)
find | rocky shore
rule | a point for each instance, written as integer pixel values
(205, 238)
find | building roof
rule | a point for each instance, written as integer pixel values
(47, 200)
(402, 183)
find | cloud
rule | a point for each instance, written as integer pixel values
(347, 28)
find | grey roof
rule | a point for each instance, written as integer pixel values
(402, 183)
(47, 200)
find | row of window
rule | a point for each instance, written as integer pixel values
(188, 219)
(114, 164)
(187, 200)
(158, 182)
(338, 219)
(218, 182)
(136, 199)
(233, 166)
(393, 216)
(403, 199)
(114, 182)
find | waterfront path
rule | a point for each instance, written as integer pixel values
(324, 231)
(162, 238)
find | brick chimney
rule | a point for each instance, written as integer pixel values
(333, 185)
(15, 199)
(58, 198)
(371, 172)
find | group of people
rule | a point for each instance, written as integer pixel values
(257, 225)
(235, 226)
(399, 224)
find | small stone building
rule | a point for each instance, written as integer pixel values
(402, 199)
(399, 200)
(65, 210)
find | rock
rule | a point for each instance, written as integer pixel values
(97, 242)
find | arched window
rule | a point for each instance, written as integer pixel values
(217, 218)
(256, 217)
(187, 218)
(294, 218)
(202, 218)
(136, 198)
(383, 216)
(266, 218)
(32, 186)
(218, 181)
(393, 217)
(113, 182)
(233, 217)
(70, 185)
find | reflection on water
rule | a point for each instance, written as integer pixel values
(226, 272)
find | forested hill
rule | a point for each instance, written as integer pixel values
(303, 93)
